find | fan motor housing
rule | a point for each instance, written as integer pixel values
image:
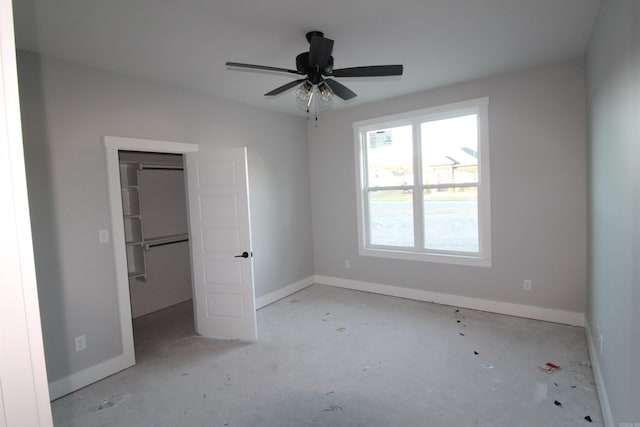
(302, 65)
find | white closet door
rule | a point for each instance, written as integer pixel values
(222, 262)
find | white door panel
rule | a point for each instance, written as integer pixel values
(220, 223)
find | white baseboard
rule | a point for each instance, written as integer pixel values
(92, 374)
(519, 310)
(77, 380)
(278, 294)
(607, 415)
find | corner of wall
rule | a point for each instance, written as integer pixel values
(284, 292)
(597, 374)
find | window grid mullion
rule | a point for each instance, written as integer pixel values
(418, 211)
(390, 187)
(452, 185)
(365, 187)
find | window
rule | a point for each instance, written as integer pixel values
(423, 185)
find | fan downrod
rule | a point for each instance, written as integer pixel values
(312, 34)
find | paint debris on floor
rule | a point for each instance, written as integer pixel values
(334, 357)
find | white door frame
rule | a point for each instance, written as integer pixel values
(112, 146)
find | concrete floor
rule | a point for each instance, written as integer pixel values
(335, 357)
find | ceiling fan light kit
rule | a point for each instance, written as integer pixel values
(307, 93)
(317, 66)
(325, 92)
(304, 93)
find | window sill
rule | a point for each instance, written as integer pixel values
(469, 260)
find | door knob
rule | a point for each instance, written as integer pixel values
(245, 254)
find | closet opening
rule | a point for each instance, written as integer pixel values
(155, 218)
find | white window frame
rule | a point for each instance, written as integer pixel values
(482, 258)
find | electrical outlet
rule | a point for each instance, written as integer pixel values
(347, 263)
(526, 285)
(80, 342)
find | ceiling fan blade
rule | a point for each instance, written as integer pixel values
(260, 67)
(340, 90)
(370, 71)
(320, 52)
(283, 88)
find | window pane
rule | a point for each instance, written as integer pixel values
(390, 157)
(450, 150)
(391, 218)
(451, 219)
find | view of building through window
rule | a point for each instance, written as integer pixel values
(450, 172)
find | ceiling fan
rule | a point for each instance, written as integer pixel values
(317, 67)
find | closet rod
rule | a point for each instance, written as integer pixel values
(157, 166)
(154, 245)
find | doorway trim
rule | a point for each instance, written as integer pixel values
(112, 145)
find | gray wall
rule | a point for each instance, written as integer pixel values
(66, 110)
(538, 190)
(613, 77)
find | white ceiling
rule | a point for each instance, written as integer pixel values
(187, 42)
